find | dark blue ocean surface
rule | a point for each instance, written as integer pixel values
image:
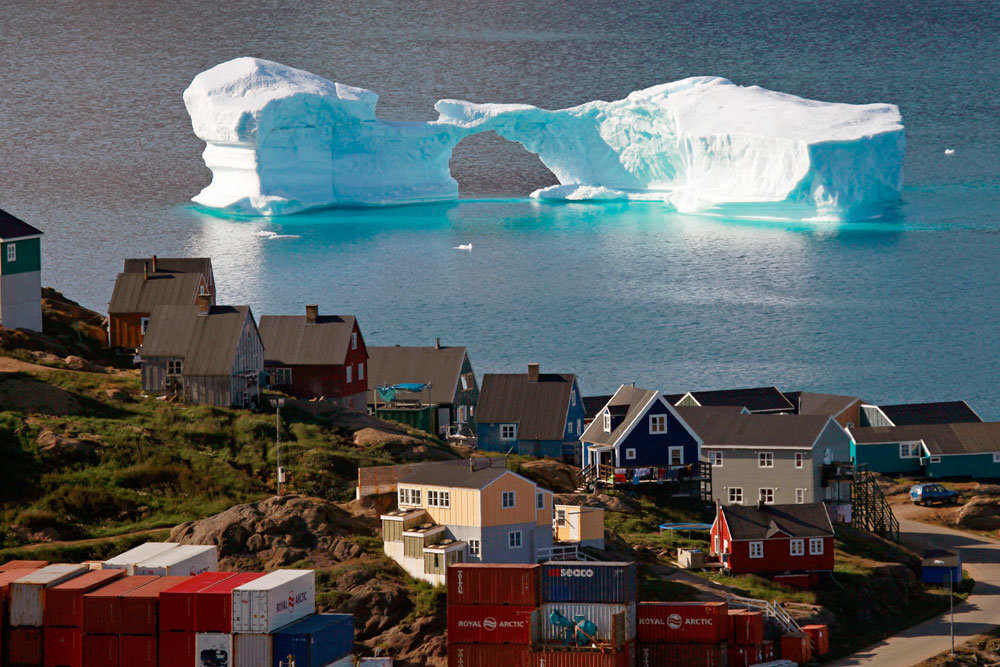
(97, 150)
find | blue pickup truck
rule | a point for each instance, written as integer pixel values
(928, 494)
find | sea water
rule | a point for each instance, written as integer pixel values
(98, 151)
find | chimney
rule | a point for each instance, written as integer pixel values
(204, 303)
(532, 372)
(437, 343)
(145, 270)
(312, 314)
(154, 263)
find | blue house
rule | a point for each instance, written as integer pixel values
(533, 413)
(639, 429)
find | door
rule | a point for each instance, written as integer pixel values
(444, 420)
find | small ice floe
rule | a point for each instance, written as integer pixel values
(275, 237)
(464, 246)
(949, 151)
(264, 234)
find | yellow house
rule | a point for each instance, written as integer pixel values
(579, 524)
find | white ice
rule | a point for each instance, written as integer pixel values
(280, 140)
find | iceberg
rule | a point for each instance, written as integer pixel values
(281, 140)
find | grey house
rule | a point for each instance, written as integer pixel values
(20, 274)
(780, 459)
(203, 354)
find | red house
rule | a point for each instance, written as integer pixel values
(774, 539)
(314, 356)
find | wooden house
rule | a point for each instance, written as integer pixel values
(135, 297)
(446, 404)
(317, 356)
(757, 400)
(773, 539)
(963, 449)
(579, 524)
(533, 413)
(845, 410)
(914, 414)
(203, 354)
(154, 264)
(20, 274)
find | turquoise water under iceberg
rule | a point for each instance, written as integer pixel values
(99, 152)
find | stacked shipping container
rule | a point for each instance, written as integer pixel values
(63, 617)
(25, 641)
(683, 633)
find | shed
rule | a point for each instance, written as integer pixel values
(941, 566)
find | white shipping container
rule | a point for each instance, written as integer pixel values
(601, 614)
(253, 650)
(274, 601)
(213, 649)
(183, 560)
(347, 661)
(127, 561)
(375, 662)
(27, 598)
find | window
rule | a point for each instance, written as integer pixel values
(816, 546)
(756, 550)
(657, 423)
(909, 450)
(765, 459)
(11, 252)
(514, 539)
(464, 379)
(349, 369)
(607, 422)
(736, 495)
(579, 426)
(800, 496)
(174, 366)
(507, 501)
(361, 371)
(767, 495)
(281, 376)
(676, 456)
(935, 459)
(409, 496)
(143, 325)
(799, 459)
(539, 501)
(354, 340)
(508, 431)
(474, 548)
(560, 517)
(630, 453)
(716, 459)
(439, 498)
(572, 399)
(796, 547)
(996, 459)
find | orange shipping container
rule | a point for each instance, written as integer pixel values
(23, 565)
(796, 647)
(64, 602)
(820, 636)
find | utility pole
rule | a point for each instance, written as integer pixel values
(277, 404)
(951, 604)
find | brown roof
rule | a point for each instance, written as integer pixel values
(538, 408)
(960, 438)
(755, 399)
(206, 342)
(439, 367)
(630, 403)
(134, 293)
(460, 473)
(289, 339)
(760, 523)
(202, 265)
(593, 404)
(945, 412)
(810, 403)
(726, 427)
(14, 228)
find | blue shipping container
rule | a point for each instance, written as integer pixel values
(588, 581)
(315, 641)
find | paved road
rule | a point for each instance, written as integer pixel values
(979, 614)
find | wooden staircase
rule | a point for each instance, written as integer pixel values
(870, 511)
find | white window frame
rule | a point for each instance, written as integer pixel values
(716, 458)
(800, 496)
(756, 549)
(630, 454)
(354, 340)
(464, 382)
(514, 540)
(282, 376)
(765, 459)
(736, 495)
(676, 449)
(11, 252)
(508, 431)
(572, 399)
(437, 498)
(657, 424)
(408, 496)
(361, 371)
(560, 517)
(815, 546)
(350, 372)
(797, 547)
(175, 367)
(607, 422)
(579, 426)
(912, 449)
(996, 459)
(800, 459)
(143, 325)
(761, 495)
(508, 504)
(935, 459)
(539, 500)
(475, 548)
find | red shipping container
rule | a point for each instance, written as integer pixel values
(796, 647)
(767, 650)
(100, 650)
(63, 647)
(102, 608)
(746, 628)
(137, 651)
(140, 606)
(744, 656)
(682, 622)
(23, 565)
(681, 655)
(481, 583)
(213, 606)
(176, 648)
(64, 602)
(488, 655)
(820, 636)
(25, 646)
(177, 603)
(490, 624)
(584, 658)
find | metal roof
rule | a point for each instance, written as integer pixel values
(439, 367)
(755, 399)
(628, 402)
(538, 408)
(726, 427)
(460, 473)
(202, 265)
(289, 339)
(207, 342)
(960, 438)
(135, 293)
(12, 228)
(760, 523)
(947, 412)
(809, 403)
(593, 405)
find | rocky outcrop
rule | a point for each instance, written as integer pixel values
(64, 449)
(369, 436)
(602, 500)
(980, 513)
(553, 475)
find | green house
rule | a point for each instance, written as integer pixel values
(968, 449)
(20, 274)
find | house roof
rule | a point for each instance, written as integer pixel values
(594, 404)
(809, 403)
(720, 426)
(673, 398)
(441, 367)
(206, 342)
(761, 522)
(538, 408)
(14, 228)
(947, 412)
(940, 439)
(202, 265)
(289, 339)
(629, 402)
(755, 399)
(135, 293)
(461, 473)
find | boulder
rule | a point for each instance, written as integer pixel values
(64, 449)
(75, 363)
(369, 436)
(979, 513)
(46, 357)
(117, 395)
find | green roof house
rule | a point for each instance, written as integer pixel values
(20, 274)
